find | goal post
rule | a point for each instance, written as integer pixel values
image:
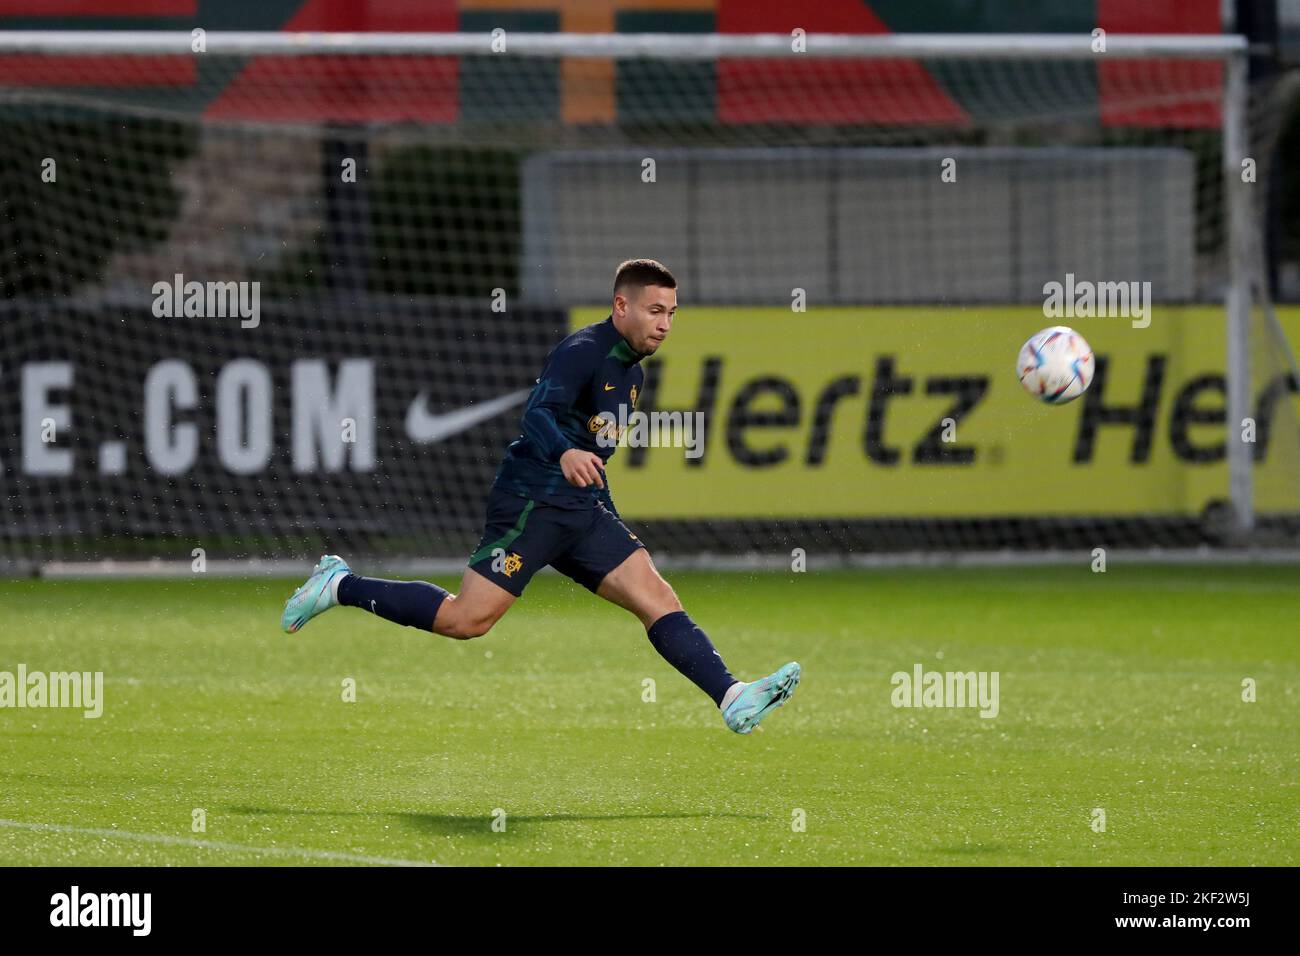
(1238, 297)
(255, 276)
(666, 46)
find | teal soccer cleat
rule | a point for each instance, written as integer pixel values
(760, 698)
(314, 597)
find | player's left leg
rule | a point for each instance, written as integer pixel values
(332, 583)
(519, 537)
(471, 612)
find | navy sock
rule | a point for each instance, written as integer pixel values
(413, 603)
(681, 643)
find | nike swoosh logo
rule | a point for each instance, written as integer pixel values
(427, 428)
(608, 387)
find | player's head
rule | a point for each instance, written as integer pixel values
(645, 301)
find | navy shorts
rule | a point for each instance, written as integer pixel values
(522, 536)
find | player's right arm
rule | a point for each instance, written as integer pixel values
(582, 468)
(566, 373)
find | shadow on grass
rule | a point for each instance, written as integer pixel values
(971, 849)
(472, 824)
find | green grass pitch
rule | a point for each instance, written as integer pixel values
(1120, 691)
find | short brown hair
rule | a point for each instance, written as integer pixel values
(641, 273)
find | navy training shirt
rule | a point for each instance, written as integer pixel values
(588, 378)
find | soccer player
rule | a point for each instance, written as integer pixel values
(550, 504)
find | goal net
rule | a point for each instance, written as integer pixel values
(267, 295)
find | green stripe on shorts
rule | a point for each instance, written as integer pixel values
(506, 539)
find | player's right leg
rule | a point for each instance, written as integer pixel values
(609, 560)
(635, 584)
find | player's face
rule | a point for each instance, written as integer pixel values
(647, 316)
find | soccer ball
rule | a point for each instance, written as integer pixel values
(1055, 365)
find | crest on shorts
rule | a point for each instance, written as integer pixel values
(512, 564)
(634, 396)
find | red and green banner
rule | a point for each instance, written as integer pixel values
(731, 91)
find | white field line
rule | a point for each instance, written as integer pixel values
(289, 851)
(702, 562)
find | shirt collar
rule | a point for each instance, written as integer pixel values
(621, 349)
